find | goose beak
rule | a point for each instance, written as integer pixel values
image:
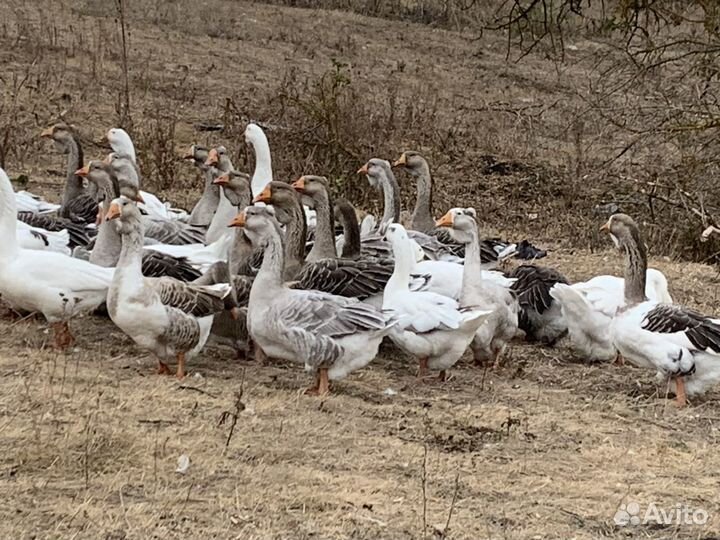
(235, 313)
(83, 171)
(606, 227)
(238, 221)
(138, 198)
(299, 184)
(265, 196)
(47, 132)
(213, 158)
(445, 221)
(363, 169)
(113, 212)
(402, 160)
(222, 180)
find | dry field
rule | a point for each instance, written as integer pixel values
(545, 447)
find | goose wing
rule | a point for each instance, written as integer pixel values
(81, 209)
(196, 300)
(359, 278)
(688, 327)
(533, 286)
(157, 264)
(79, 235)
(173, 232)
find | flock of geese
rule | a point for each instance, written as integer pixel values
(261, 265)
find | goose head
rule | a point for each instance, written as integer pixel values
(462, 223)
(623, 230)
(236, 186)
(312, 188)
(61, 134)
(412, 162)
(375, 170)
(100, 174)
(125, 213)
(198, 154)
(258, 222)
(278, 194)
(121, 142)
(218, 159)
(254, 134)
(126, 172)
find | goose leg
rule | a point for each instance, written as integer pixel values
(258, 353)
(63, 337)
(163, 369)
(497, 353)
(619, 359)
(680, 395)
(422, 368)
(181, 365)
(443, 376)
(322, 384)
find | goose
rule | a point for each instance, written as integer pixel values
(108, 243)
(349, 248)
(162, 229)
(53, 284)
(122, 145)
(331, 335)
(432, 327)
(379, 174)
(540, 316)
(79, 202)
(491, 338)
(163, 315)
(28, 202)
(360, 278)
(262, 176)
(422, 221)
(220, 163)
(681, 344)
(589, 307)
(203, 211)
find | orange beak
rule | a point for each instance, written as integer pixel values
(606, 227)
(363, 169)
(190, 154)
(84, 171)
(238, 221)
(265, 196)
(222, 180)
(213, 158)
(299, 184)
(235, 313)
(138, 198)
(402, 160)
(47, 132)
(113, 212)
(445, 221)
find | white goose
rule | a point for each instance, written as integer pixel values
(589, 307)
(166, 316)
(431, 327)
(55, 285)
(492, 338)
(682, 345)
(122, 145)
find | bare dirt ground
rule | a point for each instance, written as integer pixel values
(546, 447)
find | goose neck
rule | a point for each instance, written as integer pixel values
(635, 271)
(472, 271)
(295, 235)
(262, 175)
(131, 251)
(324, 246)
(404, 262)
(74, 186)
(391, 199)
(351, 232)
(422, 219)
(271, 273)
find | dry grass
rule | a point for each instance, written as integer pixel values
(544, 448)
